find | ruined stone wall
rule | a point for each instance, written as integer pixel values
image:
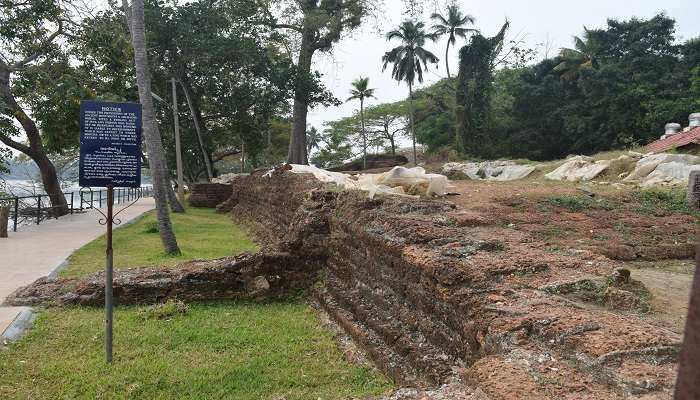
(268, 204)
(209, 194)
(430, 298)
(434, 292)
(247, 276)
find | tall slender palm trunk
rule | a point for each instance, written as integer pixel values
(413, 124)
(447, 59)
(364, 134)
(154, 144)
(688, 380)
(198, 129)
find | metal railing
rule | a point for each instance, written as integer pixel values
(25, 210)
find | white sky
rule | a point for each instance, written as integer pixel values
(539, 21)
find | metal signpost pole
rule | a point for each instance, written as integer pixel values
(178, 151)
(109, 268)
(110, 156)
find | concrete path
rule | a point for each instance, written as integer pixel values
(35, 251)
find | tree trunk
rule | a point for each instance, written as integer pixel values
(197, 127)
(297, 141)
(364, 134)
(175, 205)
(688, 381)
(35, 150)
(447, 60)
(4, 219)
(413, 126)
(151, 133)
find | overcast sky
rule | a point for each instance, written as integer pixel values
(538, 21)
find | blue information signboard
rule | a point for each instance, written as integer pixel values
(110, 144)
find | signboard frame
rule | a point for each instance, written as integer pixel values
(110, 156)
(110, 144)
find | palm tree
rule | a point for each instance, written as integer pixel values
(407, 60)
(360, 92)
(313, 139)
(584, 55)
(452, 26)
(154, 144)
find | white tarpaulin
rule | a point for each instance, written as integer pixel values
(398, 181)
(578, 168)
(645, 171)
(584, 168)
(490, 170)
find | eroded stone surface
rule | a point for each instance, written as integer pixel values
(248, 276)
(443, 299)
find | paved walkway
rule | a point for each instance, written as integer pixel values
(35, 251)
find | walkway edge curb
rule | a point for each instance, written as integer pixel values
(19, 326)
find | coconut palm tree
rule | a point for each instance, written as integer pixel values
(313, 139)
(407, 59)
(360, 91)
(452, 25)
(154, 144)
(584, 55)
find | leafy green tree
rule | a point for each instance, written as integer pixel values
(318, 24)
(361, 91)
(386, 123)
(474, 88)
(453, 26)
(407, 58)
(585, 54)
(337, 144)
(29, 34)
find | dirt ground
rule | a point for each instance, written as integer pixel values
(653, 241)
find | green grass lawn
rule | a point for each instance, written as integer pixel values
(220, 350)
(201, 233)
(215, 350)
